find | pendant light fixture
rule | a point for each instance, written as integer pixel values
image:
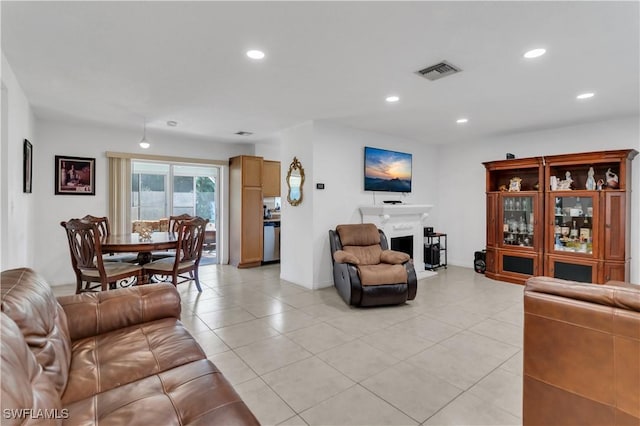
(143, 143)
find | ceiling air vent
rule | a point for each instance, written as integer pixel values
(243, 133)
(437, 71)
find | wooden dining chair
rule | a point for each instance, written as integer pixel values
(105, 230)
(176, 221)
(184, 266)
(87, 260)
(174, 224)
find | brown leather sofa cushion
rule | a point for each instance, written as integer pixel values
(90, 314)
(42, 321)
(192, 394)
(106, 361)
(581, 353)
(24, 383)
(625, 296)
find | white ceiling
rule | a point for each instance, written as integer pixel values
(117, 62)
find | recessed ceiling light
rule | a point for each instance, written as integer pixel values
(172, 123)
(462, 120)
(392, 99)
(535, 53)
(255, 54)
(585, 95)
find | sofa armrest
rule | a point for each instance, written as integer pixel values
(90, 314)
(394, 257)
(342, 256)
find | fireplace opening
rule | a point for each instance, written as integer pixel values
(403, 244)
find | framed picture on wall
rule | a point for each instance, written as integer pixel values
(27, 167)
(75, 175)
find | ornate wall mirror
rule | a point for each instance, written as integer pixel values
(295, 179)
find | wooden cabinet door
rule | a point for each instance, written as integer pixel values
(614, 225)
(492, 220)
(573, 268)
(492, 267)
(251, 244)
(616, 272)
(252, 171)
(271, 178)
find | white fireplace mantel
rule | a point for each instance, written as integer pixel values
(399, 220)
(386, 211)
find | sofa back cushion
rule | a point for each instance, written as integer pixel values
(25, 386)
(29, 301)
(361, 240)
(361, 234)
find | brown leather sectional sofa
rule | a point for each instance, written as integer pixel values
(118, 357)
(581, 353)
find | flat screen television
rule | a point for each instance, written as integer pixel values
(386, 170)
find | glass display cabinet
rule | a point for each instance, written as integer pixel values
(514, 231)
(518, 221)
(588, 201)
(564, 216)
(573, 224)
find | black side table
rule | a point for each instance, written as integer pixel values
(435, 251)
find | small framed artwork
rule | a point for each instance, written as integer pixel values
(27, 167)
(514, 184)
(75, 175)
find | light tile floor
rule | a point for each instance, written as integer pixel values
(452, 356)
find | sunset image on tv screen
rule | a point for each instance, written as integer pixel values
(386, 170)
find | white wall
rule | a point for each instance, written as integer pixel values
(336, 158)
(85, 140)
(17, 234)
(462, 178)
(271, 150)
(296, 248)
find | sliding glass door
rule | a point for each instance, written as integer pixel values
(160, 190)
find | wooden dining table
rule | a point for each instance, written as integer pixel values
(126, 243)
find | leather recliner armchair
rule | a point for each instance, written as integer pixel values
(365, 271)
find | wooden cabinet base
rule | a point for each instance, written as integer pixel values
(507, 278)
(248, 265)
(514, 266)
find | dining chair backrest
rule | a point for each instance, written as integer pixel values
(191, 235)
(175, 221)
(101, 222)
(84, 245)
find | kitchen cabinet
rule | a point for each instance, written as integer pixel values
(245, 211)
(271, 178)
